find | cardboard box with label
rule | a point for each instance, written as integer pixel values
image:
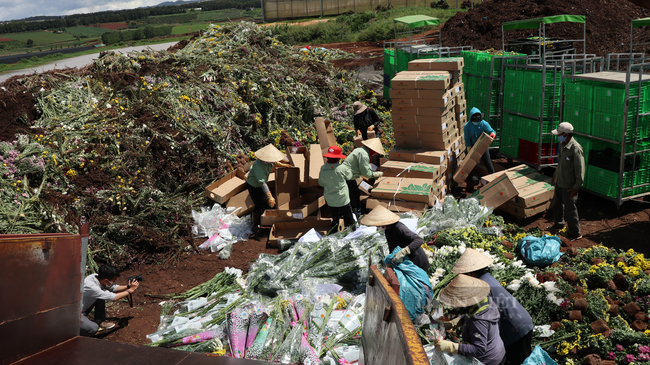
(397, 206)
(297, 209)
(458, 88)
(473, 156)
(535, 195)
(432, 157)
(407, 189)
(527, 212)
(410, 169)
(424, 111)
(226, 187)
(422, 127)
(325, 132)
(425, 103)
(461, 120)
(496, 193)
(421, 80)
(427, 144)
(460, 107)
(437, 64)
(427, 136)
(295, 230)
(513, 173)
(420, 94)
(423, 119)
(287, 184)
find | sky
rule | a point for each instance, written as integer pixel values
(19, 9)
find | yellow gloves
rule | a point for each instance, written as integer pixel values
(358, 132)
(447, 346)
(371, 128)
(399, 257)
(451, 324)
(270, 200)
(280, 164)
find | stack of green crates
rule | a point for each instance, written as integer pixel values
(390, 69)
(509, 144)
(523, 93)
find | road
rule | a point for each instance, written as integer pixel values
(79, 61)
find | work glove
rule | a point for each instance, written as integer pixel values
(451, 324)
(447, 346)
(270, 200)
(378, 174)
(358, 132)
(492, 135)
(399, 257)
(371, 128)
(280, 164)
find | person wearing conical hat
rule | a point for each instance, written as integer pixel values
(515, 323)
(480, 331)
(398, 235)
(365, 119)
(267, 157)
(333, 177)
(359, 162)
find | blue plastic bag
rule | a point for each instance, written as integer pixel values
(412, 281)
(539, 357)
(540, 251)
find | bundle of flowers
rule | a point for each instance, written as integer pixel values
(129, 143)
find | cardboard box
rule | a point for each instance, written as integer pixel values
(527, 212)
(513, 173)
(432, 157)
(437, 64)
(364, 186)
(426, 144)
(420, 94)
(297, 209)
(295, 230)
(425, 103)
(422, 127)
(424, 119)
(427, 136)
(461, 120)
(243, 201)
(536, 194)
(371, 134)
(316, 160)
(412, 190)
(410, 169)
(397, 206)
(299, 157)
(226, 187)
(403, 154)
(458, 88)
(496, 193)
(473, 156)
(408, 154)
(325, 132)
(460, 107)
(287, 184)
(426, 110)
(421, 80)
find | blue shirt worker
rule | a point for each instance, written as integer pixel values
(515, 323)
(359, 162)
(480, 331)
(333, 178)
(473, 130)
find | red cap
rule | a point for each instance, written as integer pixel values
(334, 152)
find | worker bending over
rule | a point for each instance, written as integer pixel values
(359, 163)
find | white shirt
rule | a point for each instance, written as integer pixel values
(93, 290)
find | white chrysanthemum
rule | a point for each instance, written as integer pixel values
(550, 287)
(518, 263)
(514, 285)
(462, 249)
(233, 271)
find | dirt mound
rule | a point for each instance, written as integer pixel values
(608, 23)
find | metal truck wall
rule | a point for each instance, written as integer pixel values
(293, 9)
(40, 292)
(389, 336)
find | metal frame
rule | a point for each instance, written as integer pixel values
(414, 46)
(542, 39)
(632, 44)
(634, 76)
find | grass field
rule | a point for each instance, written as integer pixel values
(40, 37)
(220, 16)
(182, 29)
(89, 31)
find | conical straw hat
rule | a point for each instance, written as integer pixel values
(464, 291)
(471, 260)
(269, 153)
(379, 216)
(375, 145)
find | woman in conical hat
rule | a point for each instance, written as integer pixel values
(359, 162)
(267, 157)
(480, 331)
(398, 235)
(515, 323)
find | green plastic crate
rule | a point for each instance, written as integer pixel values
(585, 142)
(532, 82)
(512, 100)
(606, 182)
(610, 126)
(529, 130)
(531, 105)
(509, 142)
(610, 99)
(580, 119)
(513, 80)
(578, 95)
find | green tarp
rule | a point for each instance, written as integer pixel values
(416, 21)
(534, 23)
(640, 22)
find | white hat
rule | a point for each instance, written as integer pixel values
(375, 145)
(379, 216)
(269, 153)
(471, 260)
(564, 127)
(358, 107)
(464, 291)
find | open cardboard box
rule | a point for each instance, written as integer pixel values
(407, 189)
(473, 156)
(226, 187)
(295, 230)
(243, 201)
(496, 193)
(299, 157)
(297, 209)
(287, 184)
(315, 163)
(325, 132)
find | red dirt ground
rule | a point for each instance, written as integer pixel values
(2, 39)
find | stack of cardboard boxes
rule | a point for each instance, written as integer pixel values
(429, 112)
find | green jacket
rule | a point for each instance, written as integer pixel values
(359, 163)
(333, 178)
(259, 173)
(570, 172)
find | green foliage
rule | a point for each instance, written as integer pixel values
(88, 31)
(147, 32)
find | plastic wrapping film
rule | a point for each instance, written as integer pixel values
(221, 226)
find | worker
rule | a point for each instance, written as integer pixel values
(515, 323)
(567, 179)
(359, 162)
(333, 177)
(480, 328)
(267, 157)
(473, 130)
(365, 119)
(98, 288)
(398, 235)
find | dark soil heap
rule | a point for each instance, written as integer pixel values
(607, 27)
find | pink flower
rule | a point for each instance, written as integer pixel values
(629, 358)
(611, 356)
(619, 348)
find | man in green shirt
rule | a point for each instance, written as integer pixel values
(568, 178)
(333, 177)
(359, 162)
